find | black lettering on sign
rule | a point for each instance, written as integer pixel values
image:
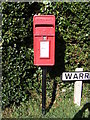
(75, 76)
(81, 75)
(87, 75)
(68, 75)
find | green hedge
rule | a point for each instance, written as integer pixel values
(17, 38)
(20, 76)
(72, 23)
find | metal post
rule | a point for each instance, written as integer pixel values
(43, 89)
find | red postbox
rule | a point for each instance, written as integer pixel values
(44, 40)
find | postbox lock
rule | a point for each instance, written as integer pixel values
(44, 37)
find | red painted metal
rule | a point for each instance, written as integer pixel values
(44, 33)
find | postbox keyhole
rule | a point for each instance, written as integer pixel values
(44, 37)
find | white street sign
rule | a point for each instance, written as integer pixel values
(71, 76)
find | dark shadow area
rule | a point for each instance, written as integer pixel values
(59, 66)
(60, 48)
(81, 112)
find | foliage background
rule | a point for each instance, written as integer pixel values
(21, 79)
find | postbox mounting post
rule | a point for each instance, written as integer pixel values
(44, 89)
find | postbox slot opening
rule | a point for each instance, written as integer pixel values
(44, 25)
